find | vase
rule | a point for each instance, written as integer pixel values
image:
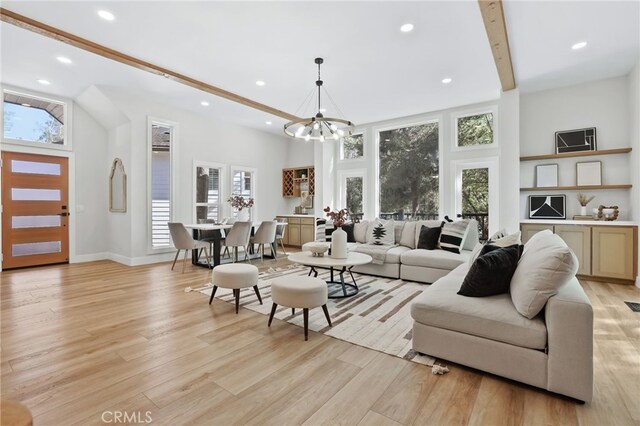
(583, 211)
(243, 215)
(339, 244)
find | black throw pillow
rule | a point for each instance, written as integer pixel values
(348, 228)
(429, 237)
(491, 272)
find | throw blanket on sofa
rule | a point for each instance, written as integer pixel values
(377, 251)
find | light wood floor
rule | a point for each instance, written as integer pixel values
(79, 340)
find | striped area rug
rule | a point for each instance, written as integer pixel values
(378, 317)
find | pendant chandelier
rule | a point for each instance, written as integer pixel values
(319, 127)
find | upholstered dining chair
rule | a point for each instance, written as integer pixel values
(238, 236)
(182, 240)
(280, 230)
(266, 234)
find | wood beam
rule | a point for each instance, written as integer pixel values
(495, 25)
(38, 27)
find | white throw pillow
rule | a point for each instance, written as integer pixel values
(500, 234)
(507, 240)
(408, 237)
(381, 232)
(453, 235)
(475, 253)
(545, 266)
(360, 231)
(538, 235)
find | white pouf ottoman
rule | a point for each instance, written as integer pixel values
(235, 276)
(300, 292)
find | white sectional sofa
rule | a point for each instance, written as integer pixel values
(553, 350)
(409, 263)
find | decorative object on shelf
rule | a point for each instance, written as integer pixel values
(584, 200)
(317, 249)
(243, 206)
(582, 217)
(339, 236)
(547, 207)
(317, 127)
(546, 175)
(576, 140)
(608, 212)
(117, 187)
(589, 173)
(306, 200)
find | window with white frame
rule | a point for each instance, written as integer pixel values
(209, 197)
(352, 193)
(352, 147)
(409, 172)
(161, 141)
(475, 130)
(243, 183)
(34, 120)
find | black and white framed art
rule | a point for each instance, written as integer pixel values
(547, 206)
(576, 140)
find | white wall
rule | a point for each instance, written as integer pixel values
(603, 104)
(634, 137)
(299, 154)
(200, 138)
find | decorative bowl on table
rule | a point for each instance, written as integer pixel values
(317, 249)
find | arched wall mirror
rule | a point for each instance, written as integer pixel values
(117, 187)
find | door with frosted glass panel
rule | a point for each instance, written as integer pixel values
(35, 218)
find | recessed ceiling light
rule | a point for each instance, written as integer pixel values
(64, 59)
(26, 105)
(204, 103)
(579, 45)
(446, 80)
(260, 83)
(406, 28)
(268, 123)
(106, 15)
(44, 82)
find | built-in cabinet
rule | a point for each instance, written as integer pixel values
(300, 229)
(298, 179)
(603, 251)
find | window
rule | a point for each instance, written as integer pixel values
(475, 130)
(208, 191)
(352, 192)
(352, 147)
(243, 183)
(34, 120)
(409, 172)
(161, 141)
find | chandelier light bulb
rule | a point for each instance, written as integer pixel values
(321, 138)
(306, 138)
(316, 126)
(340, 132)
(335, 136)
(300, 130)
(333, 127)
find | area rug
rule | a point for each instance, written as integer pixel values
(378, 317)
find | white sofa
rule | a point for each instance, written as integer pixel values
(553, 350)
(409, 263)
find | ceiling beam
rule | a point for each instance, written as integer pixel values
(495, 25)
(89, 46)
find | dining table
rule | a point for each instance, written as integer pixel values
(215, 239)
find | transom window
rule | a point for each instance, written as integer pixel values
(352, 147)
(475, 130)
(33, 120)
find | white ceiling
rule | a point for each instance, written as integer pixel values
(372, 70)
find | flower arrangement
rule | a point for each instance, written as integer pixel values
(338, 217)
(238, 202)
(584, 200)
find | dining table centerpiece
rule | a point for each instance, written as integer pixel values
(242, 205)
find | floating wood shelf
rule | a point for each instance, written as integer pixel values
(577, 154)
(576, 188)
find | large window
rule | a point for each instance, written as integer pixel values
(475, 130)
(352, 192)
(409, 175)
(243, 183)
(208, 192)
(161, 140)
(352, 147)
(33, 120)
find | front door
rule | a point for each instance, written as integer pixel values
(35, 206)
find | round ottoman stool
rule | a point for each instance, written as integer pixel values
(235, 276)
(299, 292)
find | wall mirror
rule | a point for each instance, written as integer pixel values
(117, 187)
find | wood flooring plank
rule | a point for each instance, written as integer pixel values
(498, 402)
(374, 419)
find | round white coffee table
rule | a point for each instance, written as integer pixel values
(342, 265)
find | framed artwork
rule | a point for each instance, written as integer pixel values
(547, 206)
(546, 175)
(589, 173)
(576, 140)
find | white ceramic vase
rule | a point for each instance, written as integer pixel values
(583, 210)
(243, 215)
(339, 244)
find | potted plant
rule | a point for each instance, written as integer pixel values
(339, 237)
(584, 200)
(243, 206)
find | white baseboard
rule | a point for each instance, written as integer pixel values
(80, 258)
(141, 260)
(638, 281)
